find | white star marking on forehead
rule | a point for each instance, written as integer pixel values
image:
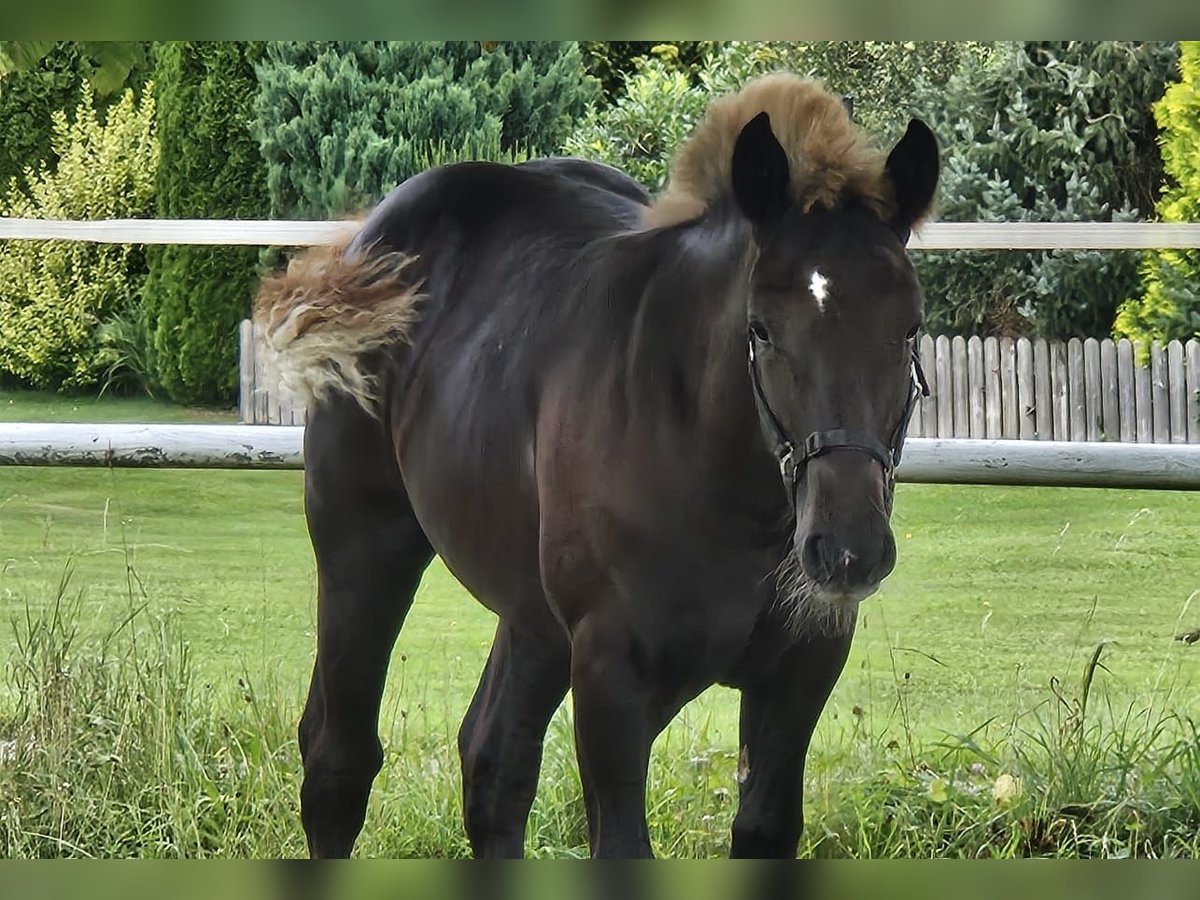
(819, 286)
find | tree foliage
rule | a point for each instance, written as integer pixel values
(107, 65)
(56, 297)
(1169, 308)
(1043, 132)
(40, 78)
(340, 123)
(612, 62)
(196, 296)
(638, 133)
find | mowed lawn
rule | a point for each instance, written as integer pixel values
(1000, 594)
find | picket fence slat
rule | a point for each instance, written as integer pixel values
(1043, 407)
(1010, 427)
(945, 389)
(991, 386)
(1177, 389)
(1091, 388)
(958, 377)
(245, 369)
(1160, 401)
(1142, 398)
(975, 393)
(1192, 352)
(1026, 416)
(1075, 382)
(1058, 388)
(929, 410)
(1109, 417)
(1127, 391)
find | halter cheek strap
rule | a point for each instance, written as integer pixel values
(793, 458)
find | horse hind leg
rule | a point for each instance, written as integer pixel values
(371, 553)
(500, 741)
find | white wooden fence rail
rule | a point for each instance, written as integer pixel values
(291, 233)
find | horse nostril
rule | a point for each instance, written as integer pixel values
(812, 558)
(825, 562)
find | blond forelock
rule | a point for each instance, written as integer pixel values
(829, 157)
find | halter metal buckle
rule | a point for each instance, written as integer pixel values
(786, 463)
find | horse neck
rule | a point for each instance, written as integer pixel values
(703, 296)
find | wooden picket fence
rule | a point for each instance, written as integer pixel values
(1078, 390)
(259, 400)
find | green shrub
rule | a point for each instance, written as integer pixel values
(56, 295)
(196, 296)
(1170, 307)
(1043, 132)
(639, 132)
(38, 78)
(612, 62)
(340, 123)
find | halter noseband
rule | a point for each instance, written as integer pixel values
(793, 458)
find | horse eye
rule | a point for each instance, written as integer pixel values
(758, 331)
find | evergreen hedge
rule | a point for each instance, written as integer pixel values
(210, 167)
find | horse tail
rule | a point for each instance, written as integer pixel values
(320, 322)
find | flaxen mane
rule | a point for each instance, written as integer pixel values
(830, 157)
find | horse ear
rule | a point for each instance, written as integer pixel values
(761, 177)
(912, 167)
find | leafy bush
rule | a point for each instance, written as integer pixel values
(38, 78)
(196, 296)
(612, 62)
(1043, 132)
(56, 295)
(641, 130)
(1170, 307)
(340, 123)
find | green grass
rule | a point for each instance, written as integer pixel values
(32, 406)
(967, 666)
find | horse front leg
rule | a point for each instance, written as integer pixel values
(779, 712)
(618, 714)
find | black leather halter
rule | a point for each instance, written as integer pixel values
(793, 458)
